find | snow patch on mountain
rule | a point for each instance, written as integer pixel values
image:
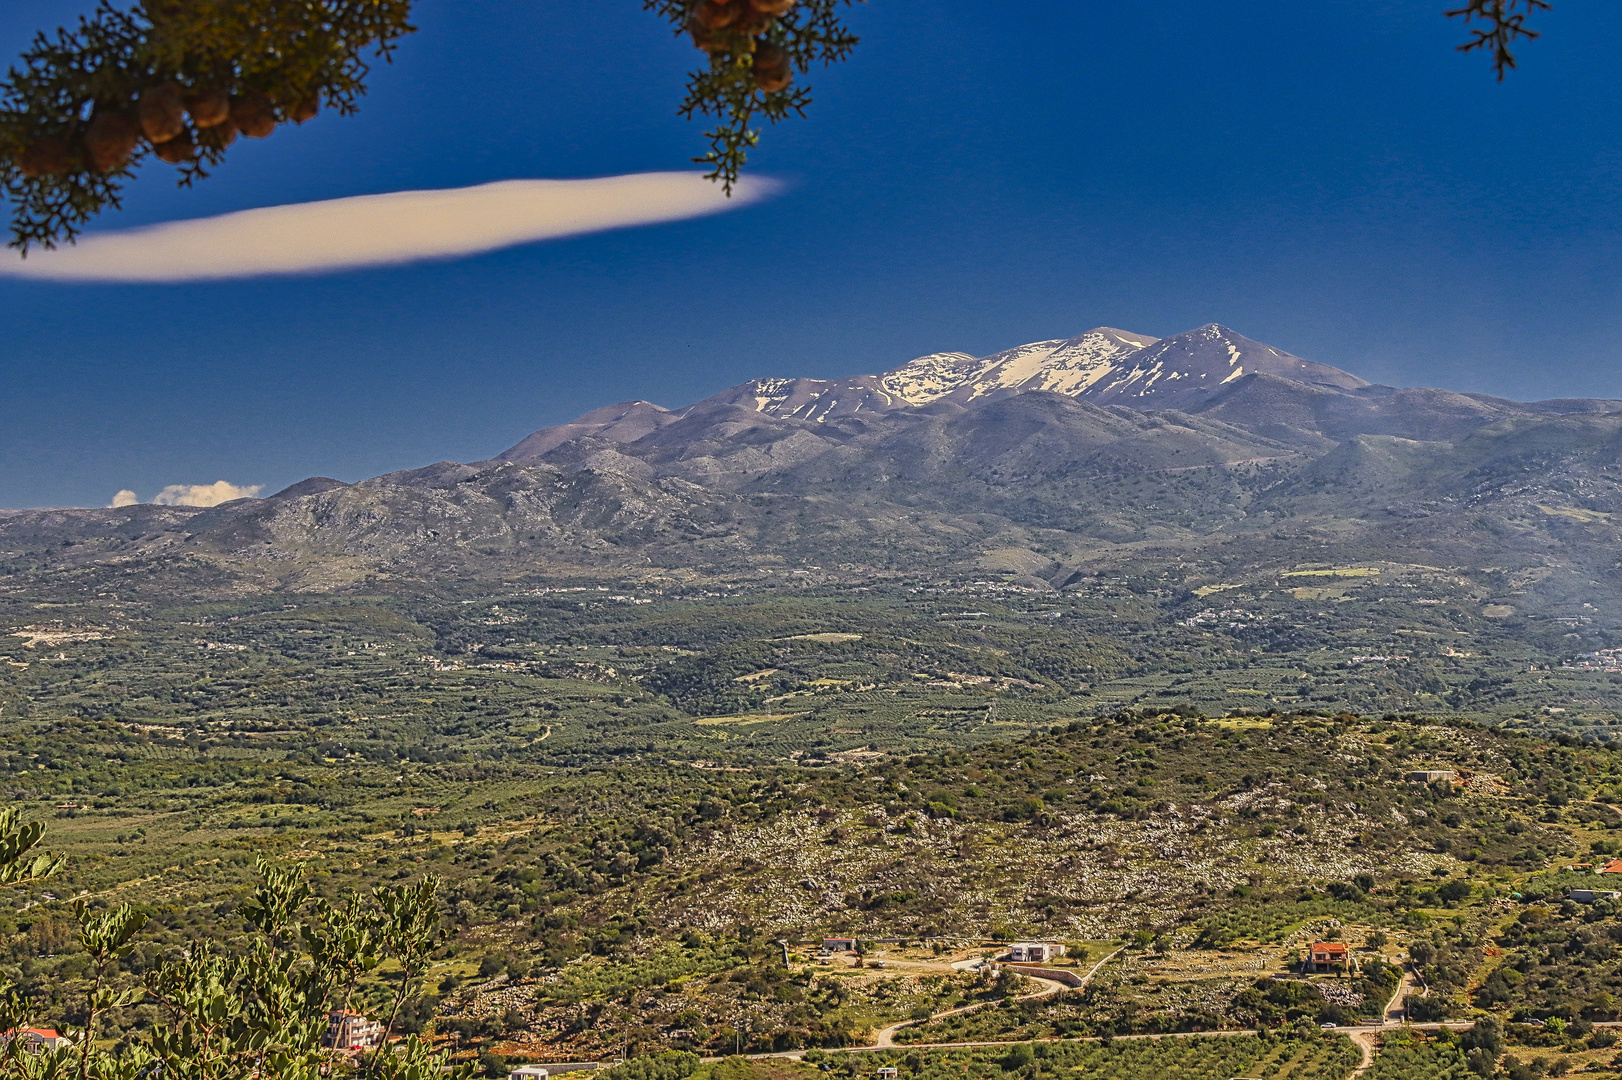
(1061, 366)
(928, 378)
(1104, 365)
(1201, 360)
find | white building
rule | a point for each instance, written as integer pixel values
(1589, 896)
(1034, 952)
(351, 1031)
(551, 1068)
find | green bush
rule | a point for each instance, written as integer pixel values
(673, 1065)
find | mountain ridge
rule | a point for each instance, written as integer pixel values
(1196, 372)
(1204, 451)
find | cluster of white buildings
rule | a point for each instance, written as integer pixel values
(1601, 660)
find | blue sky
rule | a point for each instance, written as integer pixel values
(1330, 178)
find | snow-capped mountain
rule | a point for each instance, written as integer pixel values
(1104, 365)
(808, 399)
(1180, 371)
(1063, 366)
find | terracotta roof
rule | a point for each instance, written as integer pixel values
(1328, 946)
(1612, 867)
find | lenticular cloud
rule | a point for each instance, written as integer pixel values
(376, 230)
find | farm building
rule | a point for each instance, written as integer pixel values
(1588, 896)
(1432, 776)
(839, 944)
(1327, 954)
(1034, 952)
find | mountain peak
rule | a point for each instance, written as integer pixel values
(1059, 365)
(1182, 371)
(626, 421)
(1105, 365)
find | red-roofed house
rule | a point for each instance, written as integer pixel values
(1327, 954)
(37, 1039)
(1612, 867)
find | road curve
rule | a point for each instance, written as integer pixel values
(886, 1036)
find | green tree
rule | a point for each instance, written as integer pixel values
(257, 1010)
(22, 862)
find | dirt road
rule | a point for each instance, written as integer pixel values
(886, 1036)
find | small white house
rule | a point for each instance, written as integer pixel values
(1034, 952)
(887, 1072)
(528, 1072)
(552, 1068)
(838, 944)
(1588, 896)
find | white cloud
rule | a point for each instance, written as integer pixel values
(203, 494)
(125, 497)
(374, 230)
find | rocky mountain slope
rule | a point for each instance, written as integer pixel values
(1206, 449)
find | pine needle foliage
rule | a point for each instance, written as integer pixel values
(86, 107)
(735, 87)
(1504, 24)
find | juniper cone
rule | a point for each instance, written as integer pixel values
(753, 23)
(772, 72)
(714, 16)
(210, 108)
(773, 80)
(704, 38)
(110, 140)
(163, 113)
(46, 156)
(254, 115)
(176, 151)
(305, 110)
(217, 137)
